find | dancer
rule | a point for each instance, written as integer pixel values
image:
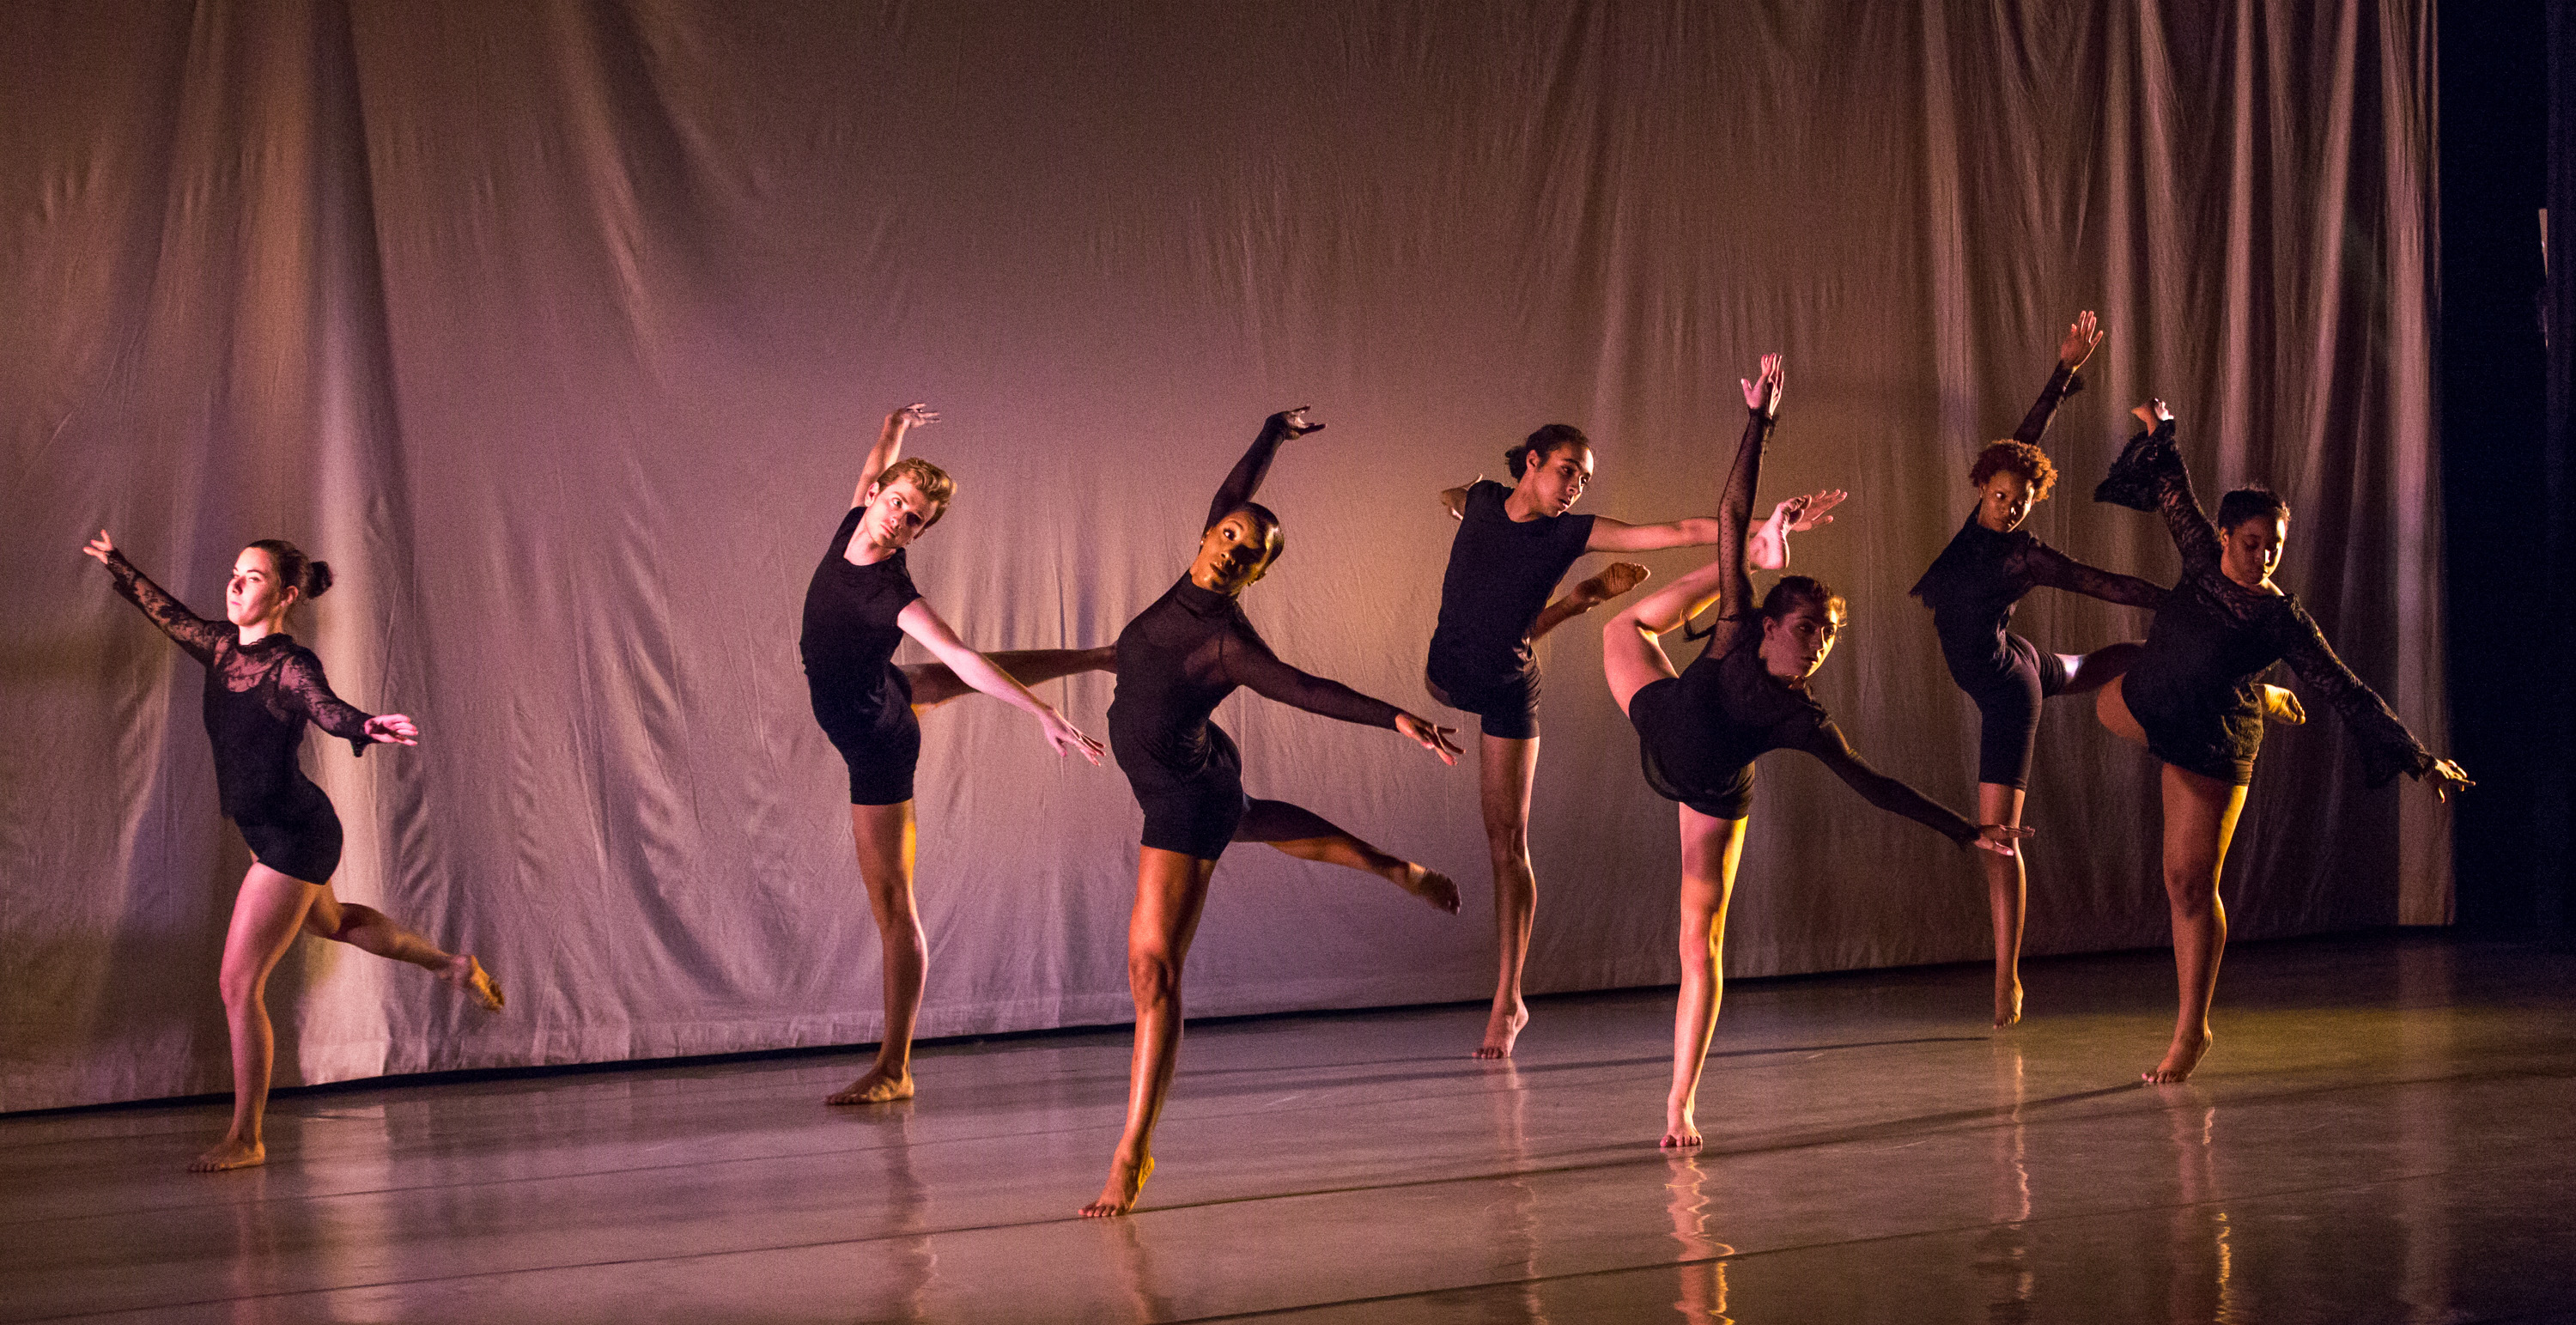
(1513, 545)
(2191, 698)
(858, 607)
(1176, 661)
(1698, 733)
(261, 688)
(1971, 588)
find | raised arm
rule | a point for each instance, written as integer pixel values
(1249, 662)
(889, 447)
(185, 628)
(2387, 748)
(922, 622)
(2048, 566)
(301, 683)
(2150, 476)
(2081, 336)
(1246, 477)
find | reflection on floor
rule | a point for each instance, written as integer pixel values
(2385, 1131)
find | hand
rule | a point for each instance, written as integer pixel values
(100, 547)
(1763, 393)
(1999, 838)
(1432, 738)
(1067, 738)
(2447, 777)
(1800, 514)
(2153, 414)
(2081, 336)
(1454, 501)
(2280, 706)
(393, 729)
(1294, 420)
(912, 416)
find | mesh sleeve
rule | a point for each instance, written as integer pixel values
(300, 679)
(2387, 748)
(190, 631)
(1825, 741)
(2042, 564)
(1734, 518)
(2062, 383)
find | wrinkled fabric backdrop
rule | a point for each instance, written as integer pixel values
(560, 330)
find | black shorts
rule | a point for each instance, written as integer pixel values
(1194, 812)
(306, 846)
(2008, 710)
(1673, 762)
(1506, 707)
(881, 754)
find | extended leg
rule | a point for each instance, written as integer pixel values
(1632, 655)
(933, 684)
(266, 915)
(2200, 820)
(370, 930)
(885, 841)
(1171, 894)
(1504, 772)
(2006, 897)
(1615, 579)
(1710, 850)
(1310, 836)
(2092, 671)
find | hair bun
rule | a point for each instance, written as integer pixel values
(317, 579)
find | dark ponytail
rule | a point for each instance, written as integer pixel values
(1542, 444)
(309, 578)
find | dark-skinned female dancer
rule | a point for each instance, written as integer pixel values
(1513, 544)
(1972, 588)
(858, 608)
(1176, 661)
(2194, 700)
(261, 689)
(1699, 731)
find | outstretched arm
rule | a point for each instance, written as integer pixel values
(1724, 581)
(1895, 796)
(185, 628)
(919, 620)
(889, 447)
(2081, 336)
(301, 682)
(2046, 565)
(2387, 748)
(1249, 662)
(1246, 477)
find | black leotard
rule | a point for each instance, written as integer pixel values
(863, 701)
(1500, 573)
(2195, 689)
(258, 698)
(1176, 661)
(1971, 589)
(1698, 733)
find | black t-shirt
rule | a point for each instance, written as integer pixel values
(850, 633)
(1501, 572)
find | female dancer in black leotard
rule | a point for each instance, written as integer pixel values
(1176, 661)
(1513, 545)
(1698, 733)
(858, 607)
(1971, 589)
(2192, 698)
(261, 688)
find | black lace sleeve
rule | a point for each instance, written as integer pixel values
(301, 683)
(1826, 743)
(2150, 476)
(2387, 748)
(1249, 662)
(2061, 384)
(191, 632)
(2042, 564)
(1246, 477)
(1734, 517)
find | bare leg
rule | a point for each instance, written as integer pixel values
(2006, 897)
(885, 839)
(1504, 771)
(370, 930)
(2200, 820)
(1710, 850)
(933, 684)
(1171, 894)
(2092, 671)
(1631, 654)
(266, 915)
(1310, 836)
(2112, 707)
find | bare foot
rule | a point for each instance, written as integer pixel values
(229, 1154)
(2179, 1060)
(2008, 1005)
(1502, 1028)
(1679, 1132)
(2280, 706)
(879, 1086)
(1615, 579)
(467, 976)
(1118, 1195)
(1430, 885)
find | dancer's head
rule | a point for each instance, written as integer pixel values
(905, 501)
(1238, 549)
(2253, 523)
(269, 577)
(2010, 477)
(1552, 467)
(1801, 618)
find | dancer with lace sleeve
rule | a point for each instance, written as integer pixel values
(1972, 588)
(1513, 544)
(859, 607)
(262, 688)
(1176, 661)
(2194, 699)
(1699, 732)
